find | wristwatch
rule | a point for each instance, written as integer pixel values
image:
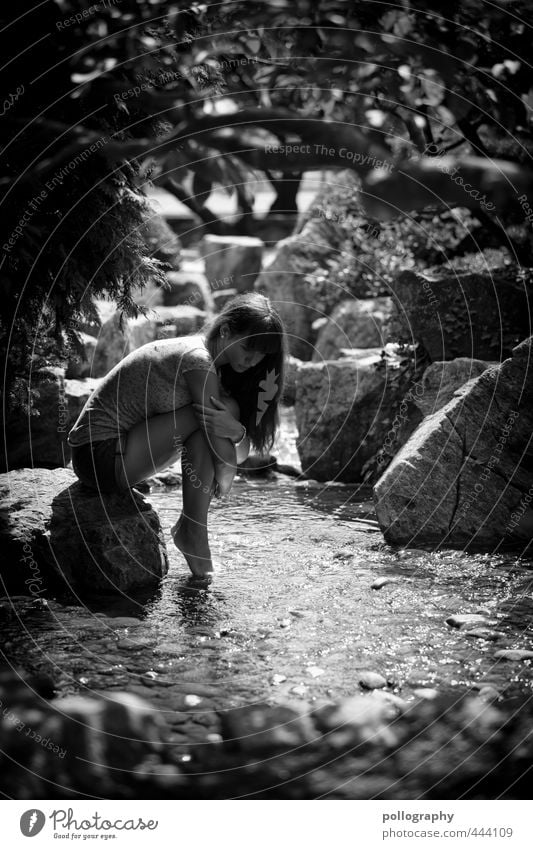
(241, 440)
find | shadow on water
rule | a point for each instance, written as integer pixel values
(197, 601)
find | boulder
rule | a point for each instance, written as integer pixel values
(187, 289)
(292, 366)
(222, 297)
(232, 261)
(295, 280)
(463, 479)
(344, 410)
(118, 337)
(353, 324)
(39, 438)
(186, 318)
(441, 380)
(53, 529)
(462, 313)
(112, 344)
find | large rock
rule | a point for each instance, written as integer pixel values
(463, 479)
(186, 318)
(54, 529)
(292, 366)
(118, 337)
(113, 343)
(232, 261)
(343, 412)
(441, 381)
(296, 281)
(460, 313)
(39, 438)
(187, 289)
(353, 324)
(222, 297)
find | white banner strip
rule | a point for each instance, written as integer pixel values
(266, 824)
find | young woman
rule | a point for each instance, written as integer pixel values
(206, 397)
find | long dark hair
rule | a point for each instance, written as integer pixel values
(258, 390)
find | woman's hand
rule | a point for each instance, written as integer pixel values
(219, 421)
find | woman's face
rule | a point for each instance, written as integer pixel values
(239, 355)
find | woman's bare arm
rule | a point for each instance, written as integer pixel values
(203, 386)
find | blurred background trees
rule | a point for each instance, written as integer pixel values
(100, 99)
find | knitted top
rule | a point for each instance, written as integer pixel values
(149, 381)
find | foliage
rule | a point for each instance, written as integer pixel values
(372, 252)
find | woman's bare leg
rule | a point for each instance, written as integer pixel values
(154, 445)
(190, 531)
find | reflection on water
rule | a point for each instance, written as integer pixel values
(291, 612)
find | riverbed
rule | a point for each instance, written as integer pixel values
(308, 603)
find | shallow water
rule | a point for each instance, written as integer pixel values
(291, 613)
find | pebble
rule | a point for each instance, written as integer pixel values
(278, 679)
(380, 582)
(192, 700)
(484, 633)
(344, 554)
(513, 654)
(300, 690)
(489, 694)
(146, 681)
(214, 738)
(372, 680)
(315, 671)
(459, 620)
(285, 623)
(426, 693)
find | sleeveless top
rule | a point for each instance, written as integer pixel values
(149, 381)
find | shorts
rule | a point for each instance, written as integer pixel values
(97, 464)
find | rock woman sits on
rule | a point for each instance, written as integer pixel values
(207, 397)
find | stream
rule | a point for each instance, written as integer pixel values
(307, 601)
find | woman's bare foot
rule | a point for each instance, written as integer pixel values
(191, 540)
